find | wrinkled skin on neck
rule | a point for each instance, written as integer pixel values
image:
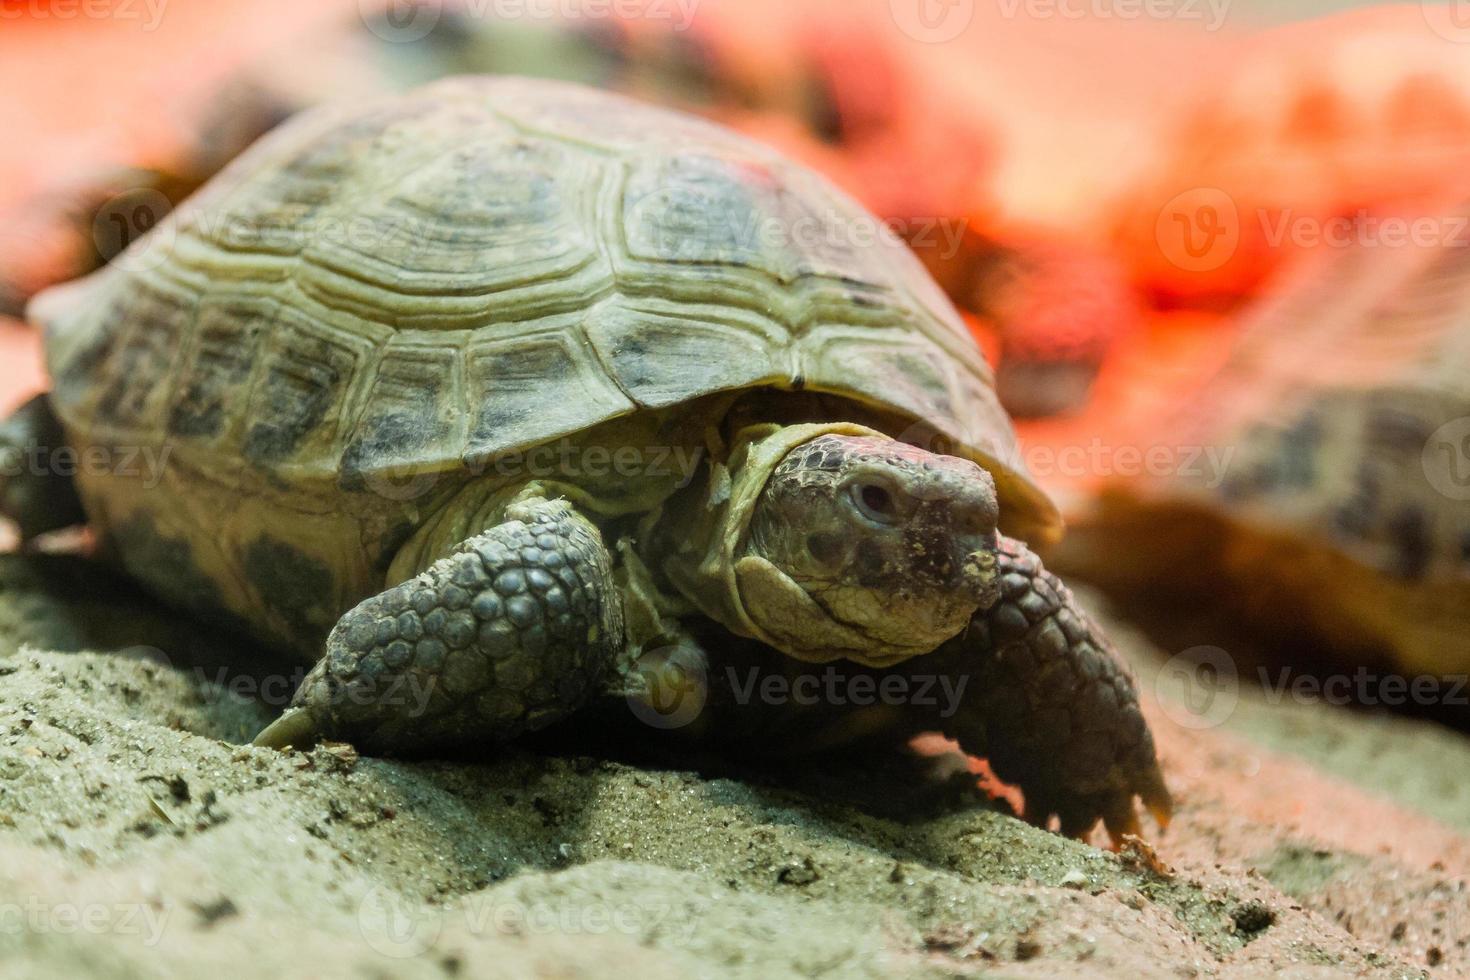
(892, 542)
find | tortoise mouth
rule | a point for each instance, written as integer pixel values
(913, 621)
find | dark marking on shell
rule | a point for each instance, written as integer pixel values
(165, 564)
(75, 379)
(297, 392)
(219, 371)
(299, 588)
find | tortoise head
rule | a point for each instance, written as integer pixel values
(891, 546)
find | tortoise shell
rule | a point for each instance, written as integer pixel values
(489, 264)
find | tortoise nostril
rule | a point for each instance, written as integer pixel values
(975, 521)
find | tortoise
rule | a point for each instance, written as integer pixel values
(1332, 523)
(504, 397)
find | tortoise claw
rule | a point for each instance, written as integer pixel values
(294, 729)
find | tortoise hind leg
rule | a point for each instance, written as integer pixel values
(512, 632)
(34, 492)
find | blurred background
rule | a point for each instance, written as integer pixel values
(1210, 246)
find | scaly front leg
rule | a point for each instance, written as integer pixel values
(510, 633)
(1051, 706)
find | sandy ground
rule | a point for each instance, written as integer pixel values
(139, 837)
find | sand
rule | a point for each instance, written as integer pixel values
(140, 836)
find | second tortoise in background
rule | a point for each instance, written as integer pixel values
(1340, 521)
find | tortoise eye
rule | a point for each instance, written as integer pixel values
(875, 503)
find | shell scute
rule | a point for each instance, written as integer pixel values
(306, 371)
